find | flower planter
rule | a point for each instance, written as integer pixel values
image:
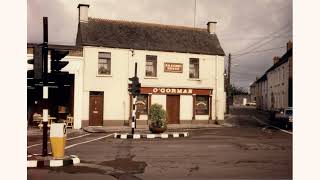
(157, 115)
(157, 130)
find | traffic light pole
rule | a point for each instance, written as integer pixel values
(45, 87)
(134, 99)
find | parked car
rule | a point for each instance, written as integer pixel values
(251, 104)
(284, 116)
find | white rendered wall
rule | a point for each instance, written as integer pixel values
(186, 107)
(219, 99)
(166, 79)
(85, 105)
(115, 86)
(278, 80)
(159, 99)
(75, 67)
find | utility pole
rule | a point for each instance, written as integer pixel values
(45, 87)
(228, 85)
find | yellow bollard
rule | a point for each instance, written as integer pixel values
(58, 139)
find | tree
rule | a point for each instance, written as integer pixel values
(237, 90)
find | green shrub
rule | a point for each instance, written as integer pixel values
(157, 116)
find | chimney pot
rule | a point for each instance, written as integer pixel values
(83, 12)
(275, 59)
(211, 26)
(289, 45)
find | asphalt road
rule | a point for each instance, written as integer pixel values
(247, 150)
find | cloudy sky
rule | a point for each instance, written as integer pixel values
(253, 31)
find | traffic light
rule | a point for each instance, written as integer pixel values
(56, 63)
(37, 70)
(135, 86)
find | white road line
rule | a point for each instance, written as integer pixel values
(271, 125)
(67, 140)
(88, 141)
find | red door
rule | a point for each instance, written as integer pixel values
(173, 109)
(96, 109)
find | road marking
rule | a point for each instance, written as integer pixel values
(88, 141)
(67, 140)
(271, 125)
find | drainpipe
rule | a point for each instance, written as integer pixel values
(216, 89)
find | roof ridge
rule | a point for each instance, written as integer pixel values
(149, 24)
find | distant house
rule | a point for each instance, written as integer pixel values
(241, 99)
(252, 92)
(273, 90)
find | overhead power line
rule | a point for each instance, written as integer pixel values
(254, 38)
(271, 35)
(252, 52)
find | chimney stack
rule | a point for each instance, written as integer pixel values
(83, 12)
(275, 59)
(289, 45)
(211, 26)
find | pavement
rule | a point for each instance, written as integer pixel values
(32, 131)
(145, 128)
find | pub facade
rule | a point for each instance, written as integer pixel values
(181, 68)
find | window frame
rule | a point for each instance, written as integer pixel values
(146, 109)
(207, 111)
(197, 70)
(103, 64)
(153, 59)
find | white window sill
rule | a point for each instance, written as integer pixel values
(150, 77)
(104, 75)
(194, 79)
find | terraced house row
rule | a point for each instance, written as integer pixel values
(273, 90)
(181, 68)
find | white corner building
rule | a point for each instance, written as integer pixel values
(181, 68)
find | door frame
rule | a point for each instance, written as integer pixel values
(101, 94)
(167, 97)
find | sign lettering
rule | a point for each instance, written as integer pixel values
(173, 67)
(171, 91)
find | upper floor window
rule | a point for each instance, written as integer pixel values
(151, 66)
(104, 63)
(193, 68)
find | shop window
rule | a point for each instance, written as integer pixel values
(202, 105)
(142, 103)
(151, 66)
(104, 63)
(193, 68)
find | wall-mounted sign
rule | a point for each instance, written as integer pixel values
(173, 67)
(171, 91)
(168, 90)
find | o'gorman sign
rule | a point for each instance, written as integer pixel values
(171, 91)
(173, 67)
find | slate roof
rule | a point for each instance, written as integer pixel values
(282, 60)
(262, 78)
(147, 36)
